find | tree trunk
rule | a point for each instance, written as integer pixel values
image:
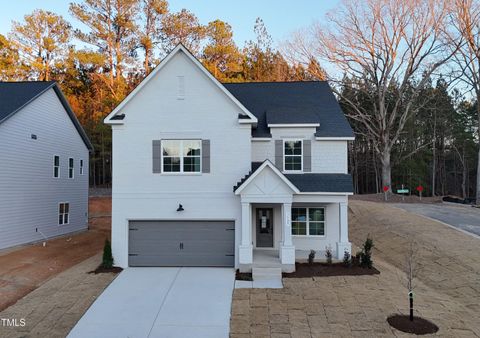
(386, 168)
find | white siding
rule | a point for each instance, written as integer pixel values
(157, 113)
(29, 195)
(327, 156)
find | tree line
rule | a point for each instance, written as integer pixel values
(118, 44)
(405, 72)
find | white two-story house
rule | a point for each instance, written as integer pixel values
(212, 174)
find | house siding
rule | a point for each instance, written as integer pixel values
(156, 113)
(326, 156)
(29, 195)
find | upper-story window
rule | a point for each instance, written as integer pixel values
(292, 155)
(181, 156)
(56, 166)
(81, 167)
(70, 167)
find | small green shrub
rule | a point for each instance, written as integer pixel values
(347, 259)
(107, 260)
(328, 255)
(311, 256)
(366, 254)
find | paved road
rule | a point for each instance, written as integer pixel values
(460, 216)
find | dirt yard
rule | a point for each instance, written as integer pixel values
(25, 268)
(447, 289)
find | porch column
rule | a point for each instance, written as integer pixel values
(287, 250)
(245, 248)
(343, 244)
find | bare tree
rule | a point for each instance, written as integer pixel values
(388, 49)
(411, 271)
(465, 21)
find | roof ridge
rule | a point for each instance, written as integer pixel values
(273, 82)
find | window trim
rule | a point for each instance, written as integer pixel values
(64, 213)
(307, 233)
(181, 172)
(301, 156)
(54, 166)
(72, 168)
(80, 167)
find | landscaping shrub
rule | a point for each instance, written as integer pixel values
(311, 256)
(107, 260)
(347, 259)
(328, 255)
(356, 258)
(366, 254)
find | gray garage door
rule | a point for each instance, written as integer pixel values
(185, 243)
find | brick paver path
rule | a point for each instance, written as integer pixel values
(55, 307)
(447, 292)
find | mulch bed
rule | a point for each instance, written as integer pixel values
(306, 270)
(101, 269)
(247, 276)
(418, 326)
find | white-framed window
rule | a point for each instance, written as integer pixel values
(181, 156)
(63, 213)
(81, 167)
(71, 167)
(308, 221)
(292, 155)
(56, 166)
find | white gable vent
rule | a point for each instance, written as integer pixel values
(181, 87)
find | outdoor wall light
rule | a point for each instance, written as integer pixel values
(180, 208)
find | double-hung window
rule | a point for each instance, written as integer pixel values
(63, 213)
(308, 221)
(70, 167)
(292, 155)
(56, 166)
(81, 167)
(181, 156)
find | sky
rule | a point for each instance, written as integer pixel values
(281, 17)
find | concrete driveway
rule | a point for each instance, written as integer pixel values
(162, 302)
(463, 217)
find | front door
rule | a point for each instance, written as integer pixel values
(264, 228)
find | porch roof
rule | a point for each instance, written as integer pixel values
(305, 182)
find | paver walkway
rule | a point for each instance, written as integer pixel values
(56, 306)
(447, 291)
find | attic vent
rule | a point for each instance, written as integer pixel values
(33, 136)
(181, 87)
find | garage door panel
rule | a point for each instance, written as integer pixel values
(181, 243)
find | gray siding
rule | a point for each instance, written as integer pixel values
(29, 195)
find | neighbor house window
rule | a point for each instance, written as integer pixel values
(181, 156)
(308, 221)
(63, 213)
(81, 167)
(70, 167)
(292, 155)
(56, 166)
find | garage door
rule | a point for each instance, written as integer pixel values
(185, 243)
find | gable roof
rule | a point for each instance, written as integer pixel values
(112, 119)
(16, 95)
(301, 103)
(302, 183)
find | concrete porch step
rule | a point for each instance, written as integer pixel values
(266, 273)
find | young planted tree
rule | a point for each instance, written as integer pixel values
(465, 21)
(411, 271)
(389, 49)
(42, 40)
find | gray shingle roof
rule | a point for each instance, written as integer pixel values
(16, 95)
(292, 102)
(310, 182)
